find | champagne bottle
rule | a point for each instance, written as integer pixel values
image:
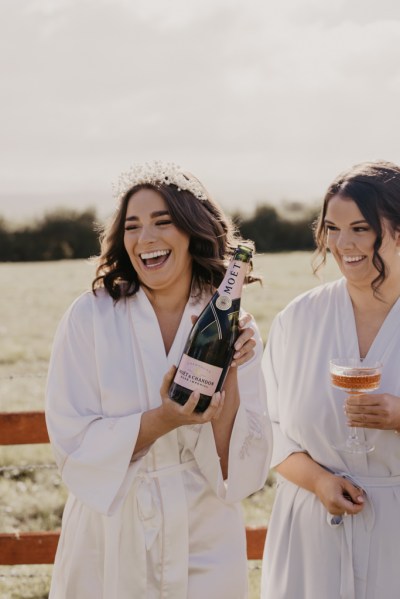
(209, 348)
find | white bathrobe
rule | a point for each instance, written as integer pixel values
(165, 525)
(306, 556)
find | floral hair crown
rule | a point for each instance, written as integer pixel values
(157, 173)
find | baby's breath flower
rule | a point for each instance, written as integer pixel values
(156, 173)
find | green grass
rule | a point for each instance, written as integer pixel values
(34, 297)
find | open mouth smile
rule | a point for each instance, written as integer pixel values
(154, 259)
(353, 259)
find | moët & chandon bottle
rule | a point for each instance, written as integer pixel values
(209, 348)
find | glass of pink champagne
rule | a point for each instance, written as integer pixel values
(355, 378)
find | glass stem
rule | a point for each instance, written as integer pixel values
(354, 434)
(353, 429)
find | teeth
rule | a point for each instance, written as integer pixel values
(352, 258)
(154, 254)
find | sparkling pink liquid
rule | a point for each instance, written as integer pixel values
(356, 382)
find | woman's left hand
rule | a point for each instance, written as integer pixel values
(378, 410)
(245, 344)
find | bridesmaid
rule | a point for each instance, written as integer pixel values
(335, 525)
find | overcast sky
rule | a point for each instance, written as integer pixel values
(262, 100)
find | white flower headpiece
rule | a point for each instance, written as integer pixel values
(156, 173)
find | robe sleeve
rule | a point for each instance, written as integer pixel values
(273, 362)
(250, 445)
(93, 452)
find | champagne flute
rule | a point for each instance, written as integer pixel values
(355, 377)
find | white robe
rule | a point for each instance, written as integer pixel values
(306, 557)
(165, 525)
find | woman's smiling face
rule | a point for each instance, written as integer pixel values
(158, 250)
(350, 238)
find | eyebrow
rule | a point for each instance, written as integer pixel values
(155, 214)
(355, 222)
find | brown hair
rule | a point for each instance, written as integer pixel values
(375, 188)
(213, 239)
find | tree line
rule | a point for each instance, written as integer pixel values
(62, 234)
(70, 234)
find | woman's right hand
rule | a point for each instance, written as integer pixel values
(177, 415)
(339, 495)
(169, 415)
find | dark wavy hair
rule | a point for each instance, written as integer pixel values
(375, 188)
(213, 239)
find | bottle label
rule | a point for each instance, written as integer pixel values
(197, 376)
(231, 286)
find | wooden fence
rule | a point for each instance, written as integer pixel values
(21, 428)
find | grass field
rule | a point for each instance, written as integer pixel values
(33, 298)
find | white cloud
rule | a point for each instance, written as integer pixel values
(262, 99)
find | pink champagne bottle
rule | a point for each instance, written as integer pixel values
(209, 348)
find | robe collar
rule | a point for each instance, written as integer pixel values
(386, 337)
(150, 343)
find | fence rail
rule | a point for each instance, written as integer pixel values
(22, 428)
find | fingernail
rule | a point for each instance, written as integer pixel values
(360, 499)
(237, 346)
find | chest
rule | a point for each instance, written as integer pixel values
(367, 327)
(169, 324)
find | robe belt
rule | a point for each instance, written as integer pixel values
(148, 500)
(362, 522)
